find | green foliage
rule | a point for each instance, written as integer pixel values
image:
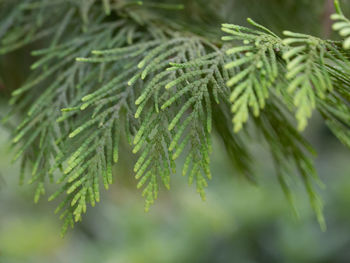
(112, 72)
(256, 69)
(306, 72)
(342, 25)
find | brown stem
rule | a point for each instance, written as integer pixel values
(327, 22)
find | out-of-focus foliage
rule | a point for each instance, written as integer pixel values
(239, 222)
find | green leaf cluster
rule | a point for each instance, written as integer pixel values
(113, 75)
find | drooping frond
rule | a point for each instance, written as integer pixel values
(196, 89)
(303, 73)
(152, 137)
(256, 68)
(342, 25)
(290, 153)
(306, 73)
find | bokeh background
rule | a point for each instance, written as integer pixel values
(240, 222)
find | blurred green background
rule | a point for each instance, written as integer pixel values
(239, 222)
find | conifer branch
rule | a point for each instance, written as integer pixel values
(114, 71)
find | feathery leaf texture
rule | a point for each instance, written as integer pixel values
(256, 69)
(113, 73)
(342, 25)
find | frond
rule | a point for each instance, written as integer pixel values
(195, 89)
(255, 69)
(306, 73)
(342, 24)
(290, 153)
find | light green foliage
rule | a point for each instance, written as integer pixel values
(111, 72)
(306, 73)
(256, 69)
(342, 25)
